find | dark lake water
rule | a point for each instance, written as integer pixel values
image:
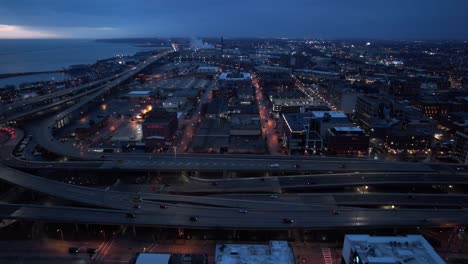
(54, 54)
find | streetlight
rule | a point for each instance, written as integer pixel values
(61, 233)
(103, 233)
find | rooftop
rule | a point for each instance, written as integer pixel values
(206, 68)
(333, 114)
(410, 249)
(228, 76)
(348, 129)
(277, 252)
(318, 72)
(146, 92)
(147, 258)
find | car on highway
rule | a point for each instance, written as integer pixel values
(73, 250)
(273, 196)
(243, 211)
(342, 166)
(91, 250)
(296, 165)
(288, 221)
(336, 212)
(131, 215)
(163, 206)
(137, 206)
(274, 165)
(194, 219)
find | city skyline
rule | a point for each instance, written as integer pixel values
(297, 19)
(215, 132)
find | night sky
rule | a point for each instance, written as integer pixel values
(376, 19)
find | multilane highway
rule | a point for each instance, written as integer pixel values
(316, 181)
(219, 218)
(86, 91)
(210, 211)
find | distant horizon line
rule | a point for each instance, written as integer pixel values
(250, 37)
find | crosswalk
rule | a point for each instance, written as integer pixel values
(327, 257)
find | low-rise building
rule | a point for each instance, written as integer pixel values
(298, 136)
(167, 258)
(460, 149)
(289, 101)
(234, 77)
(347, 141)
(322, 121)
(93, 126)
(159, 124)
(174, 103)
(211, 70)
(138, 95)
(410, 249)
(277, 252)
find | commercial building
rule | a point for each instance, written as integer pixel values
(277, 252)
(212, 136)
(237, 133)
(208, 70)
(138, 95)
(403, 127)
(162, 258)
(347, 141)
(375, 114)
(272, 75)
(174, 103)
(246, 95)
(225, 77)
(410, 249)
(339, 95)
(289, 101)
(460, 150)
(322, 121)
(159, 126)
(298, 136)
(93, 126)
(310, 132)
(316, 75)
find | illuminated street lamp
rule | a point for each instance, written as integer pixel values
(59, 230)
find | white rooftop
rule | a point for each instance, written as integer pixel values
(151, 258)
(277, 252)
(333, 114)
(410, 249)
(214, 68)
(139, 92)
(227, 76)
(348, 129)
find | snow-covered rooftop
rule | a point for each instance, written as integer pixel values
(277, 252)
(410, 249)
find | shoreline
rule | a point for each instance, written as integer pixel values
(16, 74)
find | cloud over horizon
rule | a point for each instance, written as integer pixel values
(242, 18)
